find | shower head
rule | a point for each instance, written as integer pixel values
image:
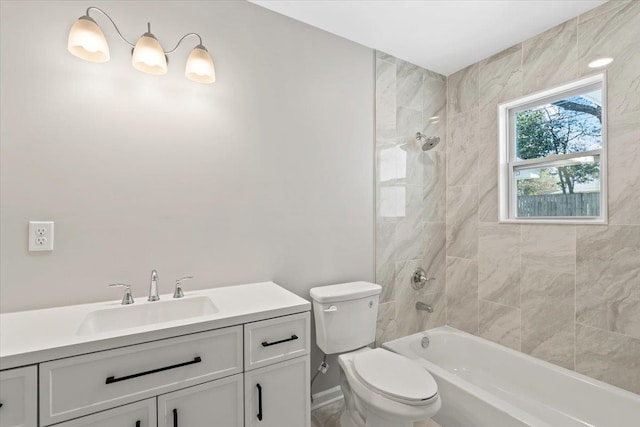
(429, 141)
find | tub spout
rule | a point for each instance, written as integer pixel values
(424, 306)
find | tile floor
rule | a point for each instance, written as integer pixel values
(329, 416)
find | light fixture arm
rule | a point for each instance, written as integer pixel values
(114, 24)
(167, 52)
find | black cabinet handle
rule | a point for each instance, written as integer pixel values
(0, 405)
(267, 344)
(175, 417)
(111, 380)
(259, 401)
(138, 423)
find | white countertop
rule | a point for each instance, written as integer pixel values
(35, 336)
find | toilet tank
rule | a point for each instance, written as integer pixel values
(345, 315)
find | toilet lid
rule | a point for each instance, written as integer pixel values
(395, 375)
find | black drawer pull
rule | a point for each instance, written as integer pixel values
(259, 401)
(0, 405)
(138, 423)
(175, 417)
(111, 380)
(267, 344)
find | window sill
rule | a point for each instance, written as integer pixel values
(596, 221)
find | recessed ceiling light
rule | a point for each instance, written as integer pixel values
(600, 62)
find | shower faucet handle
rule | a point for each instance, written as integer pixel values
(419, 279)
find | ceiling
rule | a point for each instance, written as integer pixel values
(440, 35)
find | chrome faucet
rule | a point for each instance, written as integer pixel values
(424, 306)
(153, 287)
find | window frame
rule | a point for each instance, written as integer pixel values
(507, 163)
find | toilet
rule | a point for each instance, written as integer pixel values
(380, 388)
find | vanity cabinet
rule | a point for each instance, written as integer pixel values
(19, 397)
(216, 403)
(139, 414)
(249, 358)
(278, 395)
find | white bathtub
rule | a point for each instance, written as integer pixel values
(483, 384)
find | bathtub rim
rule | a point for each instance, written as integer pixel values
(477, 392)
(559, 369)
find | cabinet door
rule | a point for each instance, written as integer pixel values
(278, 395)
(19, 397)
(216, 403)
(139, 414)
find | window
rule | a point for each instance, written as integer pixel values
(553, 155)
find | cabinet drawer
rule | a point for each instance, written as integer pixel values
(139, 414)
(81, 385)
(217, 403)
(19, 397)
(274, 340)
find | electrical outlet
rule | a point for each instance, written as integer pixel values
(40, 235)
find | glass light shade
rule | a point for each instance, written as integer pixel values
(200, 66)
(87, 41)
(148, 56)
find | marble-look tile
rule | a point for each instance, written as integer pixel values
(608, 278)
(610, 357)
(435, 109)
(409, 79)
(409, 320)
(616, 34)
(547, 279)
(390, 202)
(409, 122)
(462, 294)
(385, 259)
(549, 59)
(462, 149)
(608, 7)
(462, 221)
(434, 178)
(328, 415)
(500, 77)
(386, 327)
(623, 172)
(409, 242)
(385, 57)
(385, 95)
(500, 324)
(488, 165)
(463, 90)
(434, 255)
(499, 264)
(439, 316)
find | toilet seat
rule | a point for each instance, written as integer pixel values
(395, 377)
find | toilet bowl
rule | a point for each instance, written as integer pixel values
(380, 388)
(385, 389)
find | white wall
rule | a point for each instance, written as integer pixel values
(265, 175)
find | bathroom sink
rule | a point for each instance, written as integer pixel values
(146, 313)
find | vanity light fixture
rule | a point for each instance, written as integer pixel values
(87, 41)
(600, 62)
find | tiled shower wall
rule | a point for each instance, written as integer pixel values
(410, 194)
(563, 293)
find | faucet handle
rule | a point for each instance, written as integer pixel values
(178, 292)
(419, 279)
(127, 298)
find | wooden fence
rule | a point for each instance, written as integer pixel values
(577, 204)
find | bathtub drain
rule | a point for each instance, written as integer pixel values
(424, 342)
